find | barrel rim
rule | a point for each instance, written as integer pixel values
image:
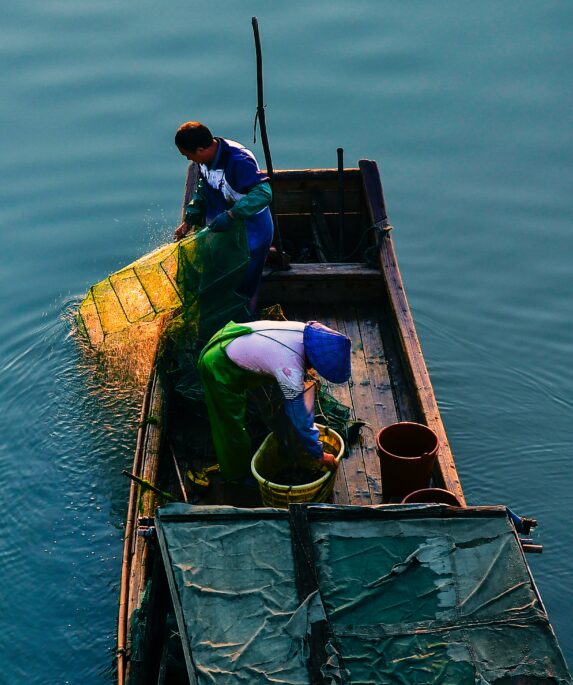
(298, 489)
(432, 452)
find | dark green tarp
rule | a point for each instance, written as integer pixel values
(413, 595)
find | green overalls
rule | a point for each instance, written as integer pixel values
(225, 385)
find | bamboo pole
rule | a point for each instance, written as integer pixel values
(127, 541)
(264, 138)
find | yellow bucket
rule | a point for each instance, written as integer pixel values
(267, 463)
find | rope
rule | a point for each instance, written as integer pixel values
(380, 230)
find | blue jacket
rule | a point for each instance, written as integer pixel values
(226, 180)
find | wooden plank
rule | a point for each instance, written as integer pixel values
(377, 367)
(421, 378)
(330, 271)
(326, 282)
(405, 398)
(353, 466)
(363, 399)
(300, 201)
(407, 332)
(323, 293)
(321, 178)
(322, 234)
(148, 471)
(296, 230)
(128, 542)
(294, 190)
(303, 216)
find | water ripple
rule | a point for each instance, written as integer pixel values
(468, 110)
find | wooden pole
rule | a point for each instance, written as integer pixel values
(147, 485)
(264, 137)
(128, 538)
(179, 476)
(340, 156)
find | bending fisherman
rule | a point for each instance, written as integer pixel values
(231, 187)
(240, 357)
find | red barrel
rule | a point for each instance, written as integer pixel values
(432, 496)
(407, 453)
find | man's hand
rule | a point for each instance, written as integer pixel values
(329, 461)
(222, 222)
(181, 231)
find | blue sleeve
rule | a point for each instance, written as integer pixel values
(244, 173)
(303, 424)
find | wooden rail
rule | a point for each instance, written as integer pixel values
(412, 352)
(128, 537)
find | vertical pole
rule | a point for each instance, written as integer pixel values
(264, 137)
(260, 99)
(340, 155)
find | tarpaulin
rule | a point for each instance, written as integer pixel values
(412, 595)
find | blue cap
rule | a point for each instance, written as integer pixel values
(327, 351)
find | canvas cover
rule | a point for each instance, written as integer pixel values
(413, 595)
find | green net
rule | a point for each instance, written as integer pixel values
(180, 294)
(168, 304)
(266, 415)
(332, 412)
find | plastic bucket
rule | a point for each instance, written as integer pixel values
(267, 463)
(407, 453)
(432, 496)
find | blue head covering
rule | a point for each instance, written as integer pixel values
(327, 351)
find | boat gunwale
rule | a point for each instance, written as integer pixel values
(130, 528)
(412, 350)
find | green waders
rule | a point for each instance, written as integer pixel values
(225, 386)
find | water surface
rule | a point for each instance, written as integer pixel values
(468, 109)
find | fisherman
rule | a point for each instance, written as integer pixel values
(231, 187)
(244, 356)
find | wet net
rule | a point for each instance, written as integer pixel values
(172, 300)
(163, 308)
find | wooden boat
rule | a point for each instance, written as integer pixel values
(390, 379)
(390, 383)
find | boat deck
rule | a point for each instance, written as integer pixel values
(348, 298)
(369, 394)
(377, 394)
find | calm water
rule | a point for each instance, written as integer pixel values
(467, 107)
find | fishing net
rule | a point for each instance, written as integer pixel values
(166, 306)
(179, 294)
(266, 414)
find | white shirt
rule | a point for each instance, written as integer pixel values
(274, 348)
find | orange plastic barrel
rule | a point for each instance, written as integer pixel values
(432, 496)
(407, 453)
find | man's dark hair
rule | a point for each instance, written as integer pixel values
(192, 135)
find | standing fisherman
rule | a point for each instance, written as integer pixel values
(231, 187)
(240, 357)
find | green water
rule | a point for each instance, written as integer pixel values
(467, 106)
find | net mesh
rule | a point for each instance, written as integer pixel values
(166, 306)
(179, 294)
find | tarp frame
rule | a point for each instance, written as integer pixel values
(190, 664)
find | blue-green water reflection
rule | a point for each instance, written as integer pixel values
(467, 107)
